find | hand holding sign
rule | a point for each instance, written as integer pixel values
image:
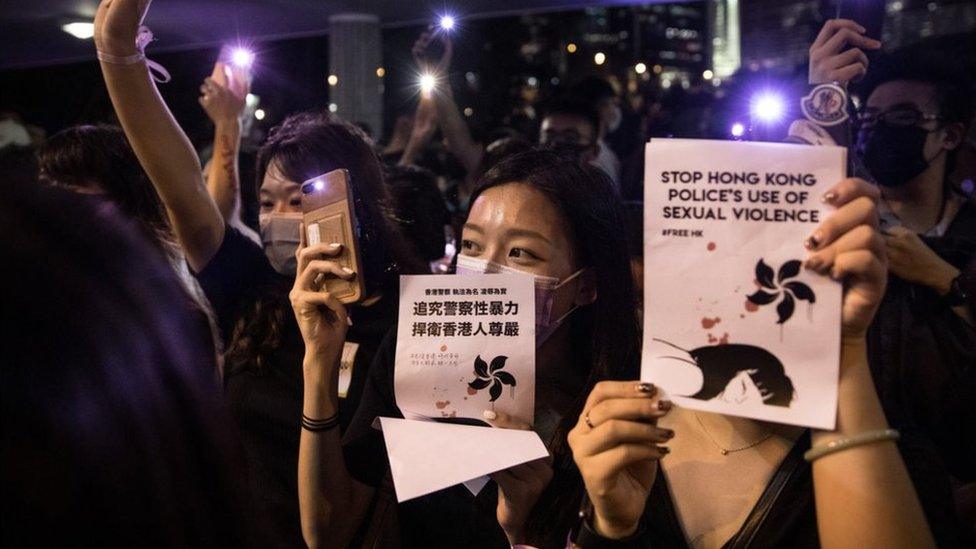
(519, 488)
(615, 445)
(848, 247)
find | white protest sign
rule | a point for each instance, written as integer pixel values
(426, 457)
(733, 323)
(466, 344)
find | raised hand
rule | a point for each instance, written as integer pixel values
(616, 447)
(322, 319)
(117, 25)
(830, 62)
(223, 94)
(438, 66)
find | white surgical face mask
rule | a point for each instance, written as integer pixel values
(545, 292)
(280, 235)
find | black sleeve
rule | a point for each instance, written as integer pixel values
(236, 274)
(363, 446)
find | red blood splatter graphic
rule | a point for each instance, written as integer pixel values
(708, 323)
(441, 404)
(742, 316)
(711, 338)
(711, 246)
(472, 391)
(452, 414)
(724, 340)
(443, 348)
(751, 307)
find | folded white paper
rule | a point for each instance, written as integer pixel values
(733, 323)
(427, 456)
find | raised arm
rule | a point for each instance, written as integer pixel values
(161, 146)
(456, 131)
(332, 504)
(223, 96)
(864, 497)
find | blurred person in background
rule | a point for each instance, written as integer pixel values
(602, 97)
(114, 432)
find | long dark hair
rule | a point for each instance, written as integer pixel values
(113, 425)
(98, 158)
(605, 334)
(303, 146)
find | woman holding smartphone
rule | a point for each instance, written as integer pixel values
(248, 284)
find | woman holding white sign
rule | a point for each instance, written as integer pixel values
(539, 214)
(736, 482)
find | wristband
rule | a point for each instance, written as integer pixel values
(143, 38)
(839, 445)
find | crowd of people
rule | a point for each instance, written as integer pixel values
(172, 371)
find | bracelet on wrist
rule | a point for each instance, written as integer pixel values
(319, 425)
(841, 444)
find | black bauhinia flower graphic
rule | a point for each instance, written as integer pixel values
(782, 286)
(493, 376)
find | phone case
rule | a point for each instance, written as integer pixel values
(329, 216)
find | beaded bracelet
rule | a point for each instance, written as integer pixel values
(839, 445)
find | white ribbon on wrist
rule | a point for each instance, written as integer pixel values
(143, 38)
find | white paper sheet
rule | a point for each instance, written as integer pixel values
(733, 324)
(427, 456)
(466, 344)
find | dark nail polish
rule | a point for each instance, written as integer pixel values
(668, 433)
(664, 405)
(664, 450)
(644, 387)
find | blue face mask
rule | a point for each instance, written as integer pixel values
(545, 292)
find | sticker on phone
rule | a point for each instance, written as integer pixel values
(314, 235)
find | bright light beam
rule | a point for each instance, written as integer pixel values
(768, 107)
(447, 22)
(242, 57)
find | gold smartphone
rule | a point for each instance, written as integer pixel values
(329, 216)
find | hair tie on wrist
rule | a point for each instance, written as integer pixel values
(839, 445)
(319, 425)
(143, 38)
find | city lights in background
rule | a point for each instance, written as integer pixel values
(571, 47)
(768, 107)
(640, 68)
(738, 129)
(80, 29)
(332, 79)
(333, 107)
(600, 58)
(380, 72)
(242, 57)
(259, 114)
(708, 74)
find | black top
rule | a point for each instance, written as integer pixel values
(448, 518)
(785, 514)
(923, 356)
(266, 401)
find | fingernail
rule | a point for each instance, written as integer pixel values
(335, 245)
(664, 449)
(347, 270)
(489, 415)
(829, 197)
(668, 433)
(664, 405)
(645, 387)
(813, 241)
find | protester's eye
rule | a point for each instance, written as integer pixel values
(267, 204)
(468, 245)
(296, 202)
(522, 253)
